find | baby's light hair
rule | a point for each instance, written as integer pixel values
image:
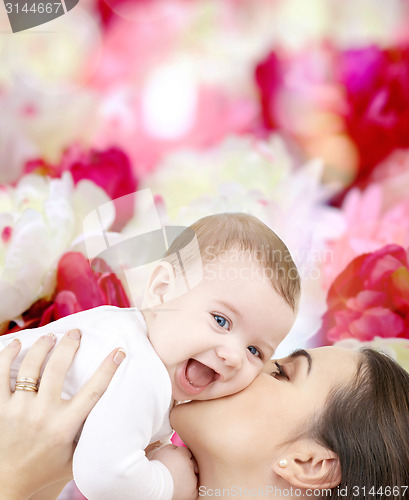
(219, 233)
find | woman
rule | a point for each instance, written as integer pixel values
(324, 419)
(327, 419)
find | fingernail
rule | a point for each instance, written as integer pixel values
(75, 334)
(119, 356)
(50, 337)
(15, 343)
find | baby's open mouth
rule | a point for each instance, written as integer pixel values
(197, 376)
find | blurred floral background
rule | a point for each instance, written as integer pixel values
(294, 111)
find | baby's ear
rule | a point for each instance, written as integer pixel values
(161, 285)
(307, 464)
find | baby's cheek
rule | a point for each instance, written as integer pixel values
(248, 379)
(258, 370)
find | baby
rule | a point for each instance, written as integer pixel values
(208, 342)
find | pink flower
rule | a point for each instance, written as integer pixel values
(393, 175)
(370, 298)
(376, 82)
(369, 225)
(78, 288)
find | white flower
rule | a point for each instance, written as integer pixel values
(39, 219)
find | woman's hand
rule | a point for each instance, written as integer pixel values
(37, 429)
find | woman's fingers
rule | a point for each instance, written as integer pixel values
(35, 357)
(7, 356)
(92, 391)
(52, 381)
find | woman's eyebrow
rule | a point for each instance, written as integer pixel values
(302, 352)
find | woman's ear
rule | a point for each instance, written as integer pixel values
(307, 464)
(161, 285)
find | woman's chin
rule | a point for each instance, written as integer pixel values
(189, 421)
(180, 417)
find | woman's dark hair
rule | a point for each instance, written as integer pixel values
(367, 426)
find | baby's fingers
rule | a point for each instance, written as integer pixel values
(92, 391)
(184, 451)
(7, 356)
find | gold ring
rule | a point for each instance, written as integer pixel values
(27, 379)
(28, 388)
(26, 384)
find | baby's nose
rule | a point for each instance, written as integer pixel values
(231, 355)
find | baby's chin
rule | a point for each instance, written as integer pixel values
(187, 399)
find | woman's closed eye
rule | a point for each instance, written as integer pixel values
(222, 321)
(281, 373)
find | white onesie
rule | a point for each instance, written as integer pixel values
(109, 461)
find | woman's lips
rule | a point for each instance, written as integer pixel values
(194, 376)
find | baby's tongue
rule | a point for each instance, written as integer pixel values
(198, 374)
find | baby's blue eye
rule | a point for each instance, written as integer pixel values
(254, 351)
(223, 322)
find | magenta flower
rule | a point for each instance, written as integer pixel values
(109, 169)
(376, 83)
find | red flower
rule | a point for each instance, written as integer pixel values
(107, 8)
(78, 288)
(269, 80)
(111, 170)
(370, 298)
(377, 97)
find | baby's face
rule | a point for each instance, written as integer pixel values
(215, 339)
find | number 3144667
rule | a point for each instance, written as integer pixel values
(34, 8)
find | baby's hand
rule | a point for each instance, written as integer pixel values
(181, 465)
